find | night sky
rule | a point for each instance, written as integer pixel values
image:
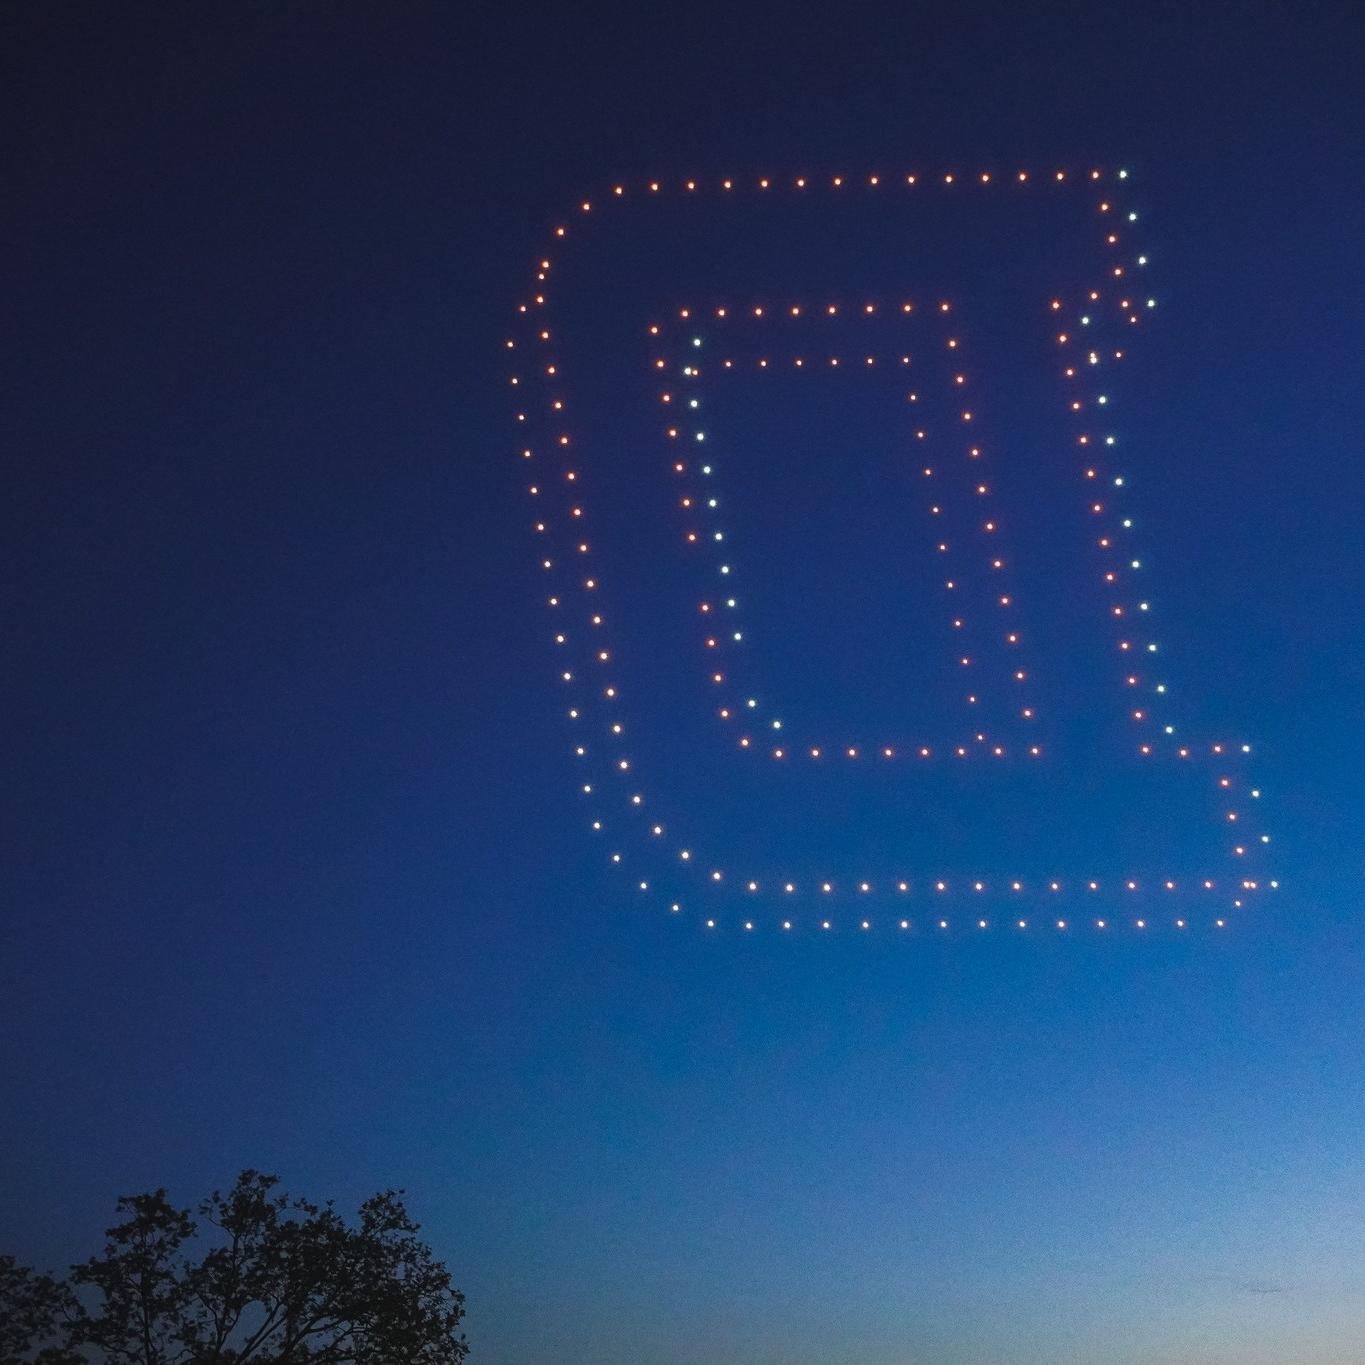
(297, 869)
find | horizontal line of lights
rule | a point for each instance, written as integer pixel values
(947, 926)
(870, 180)
(935, 887)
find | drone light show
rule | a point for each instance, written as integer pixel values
(836, 492)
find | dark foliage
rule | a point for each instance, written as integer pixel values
(276, 1279)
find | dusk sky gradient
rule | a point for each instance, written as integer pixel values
(291, 866)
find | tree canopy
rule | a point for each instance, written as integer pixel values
(258, 1277)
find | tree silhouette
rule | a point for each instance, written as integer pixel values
(278, 1279)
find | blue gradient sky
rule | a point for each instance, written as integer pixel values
(291, 873)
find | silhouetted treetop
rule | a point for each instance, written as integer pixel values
(259, 1278)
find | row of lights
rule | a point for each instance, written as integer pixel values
(942, 887)
(873, 180)
(943, 925)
